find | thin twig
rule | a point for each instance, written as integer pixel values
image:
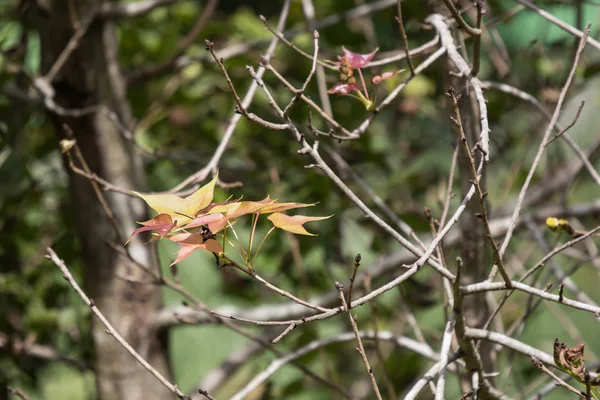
(212, 165)
(110, 330)
(563, 131)
(529, 98)
(361, 349)
(144, 72)
(386, 376)
(477, 39)
(542, 147)
(560, 23)
(277, 364)
(561, 299)
(353, 277)
(103, 202)
(281, 36)
(70, 47)
(537, 266)
(298, 93)
(241, 109)
(461, 22)
(201, 306)
(475, 181)
(308, 8)
(557, 380)
(404, 38)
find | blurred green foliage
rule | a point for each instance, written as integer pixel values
(405, 157)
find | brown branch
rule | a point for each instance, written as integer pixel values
(70, 47)
(353, 277)
(241, 109)
(475, 181)
(477, 39)
(404, 38)
(557, 380)
(461, 22)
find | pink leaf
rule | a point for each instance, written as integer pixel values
(162, 223)
(293, 223)
(356, 60)
(191, 242)
(342, 88)
(204, 220)
(376, 79)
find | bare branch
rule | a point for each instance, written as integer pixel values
(543, 145)
(109, 328)
(560, 23)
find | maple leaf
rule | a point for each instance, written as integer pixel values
(294, 223)
(215, 222)
(162, 223)
(181, 210)
(191, 242)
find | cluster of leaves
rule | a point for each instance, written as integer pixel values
(194, 221)
(347, 64)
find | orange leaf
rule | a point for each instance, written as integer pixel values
(265, 206)
(293, 223)
(181, 210)
(162, 223)
(279, 207)
(240, 208)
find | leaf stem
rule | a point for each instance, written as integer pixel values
(261, 243)
(254, 223)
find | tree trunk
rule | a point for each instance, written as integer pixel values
(91, 76)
